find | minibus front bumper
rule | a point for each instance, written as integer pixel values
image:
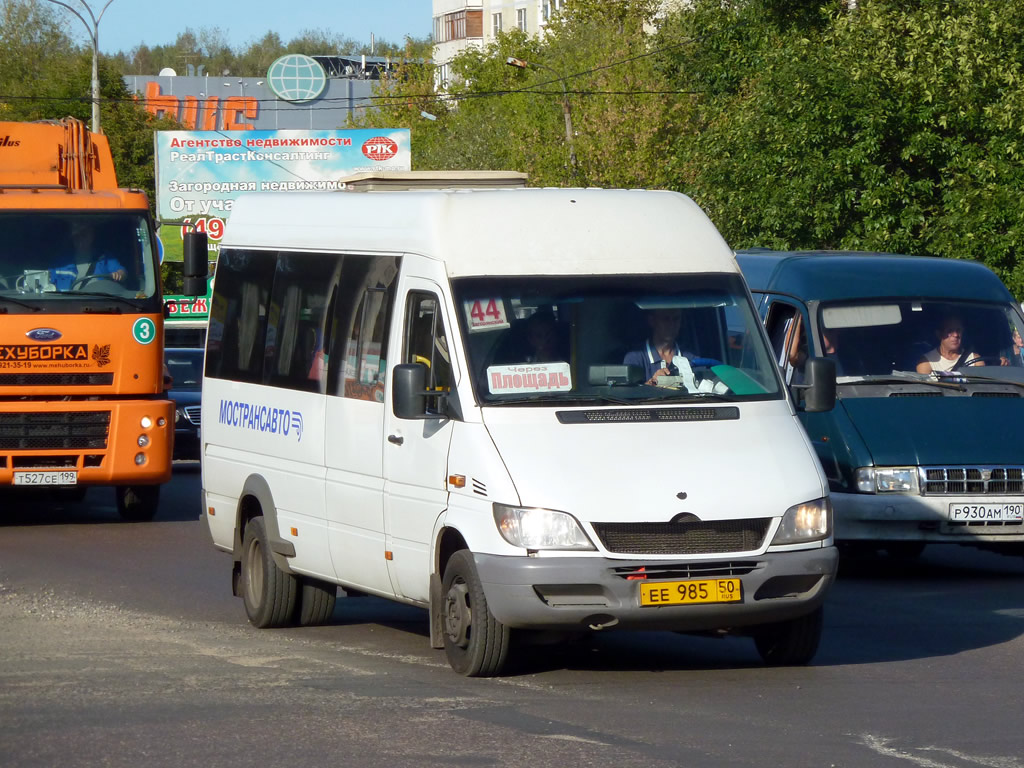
(602, 593)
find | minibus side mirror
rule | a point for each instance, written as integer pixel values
(196, 263)
(409, 393)
(819, 393)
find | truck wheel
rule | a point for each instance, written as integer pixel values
(790, 643)
(475, 643)
(268, 592)
(137, 503)
(315, 602)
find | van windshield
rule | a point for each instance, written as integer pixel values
(920, 336)
(622, 339)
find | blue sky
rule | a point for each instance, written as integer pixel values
(127, 23)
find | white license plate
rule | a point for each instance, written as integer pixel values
(981, 513)
(46, 478)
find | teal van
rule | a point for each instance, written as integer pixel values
(926, 441)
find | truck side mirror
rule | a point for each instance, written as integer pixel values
(408, 395)
(196, 264)
(820, 389)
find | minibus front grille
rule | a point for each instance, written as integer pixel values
(709, 570)
(628, 415)
(982, 481)
(683, 538)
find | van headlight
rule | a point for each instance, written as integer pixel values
(805, 522)
(532, 528)
(887, 480)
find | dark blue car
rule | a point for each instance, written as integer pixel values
(185, 368)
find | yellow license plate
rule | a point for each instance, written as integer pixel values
(691, 592)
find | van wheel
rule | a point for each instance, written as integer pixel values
(790, 643)
(268, 592)
(316, 601)
(137, 503)
(475, 643)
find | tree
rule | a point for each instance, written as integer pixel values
(893, 126)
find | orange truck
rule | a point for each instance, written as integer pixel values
(82, 399)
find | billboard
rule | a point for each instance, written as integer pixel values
(200, 173)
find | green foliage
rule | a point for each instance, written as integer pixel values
(893, 127)
(595, 56)
(209, 49)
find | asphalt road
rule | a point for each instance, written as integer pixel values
(121, 645)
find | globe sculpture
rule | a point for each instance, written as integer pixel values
(296, 78)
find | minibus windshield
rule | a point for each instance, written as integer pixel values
(620, 339)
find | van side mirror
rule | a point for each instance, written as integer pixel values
(819, 393)
(196, 263)
(408, 391)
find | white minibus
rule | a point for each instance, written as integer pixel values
(541, 412)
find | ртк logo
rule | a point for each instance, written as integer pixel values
(380, 148)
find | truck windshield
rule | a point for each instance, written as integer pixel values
(59, 255)
(919, 336)
(622, 339)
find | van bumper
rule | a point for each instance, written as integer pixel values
(595, 593)
(895, 517)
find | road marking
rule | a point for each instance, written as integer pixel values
(990, 762)
(880, 744)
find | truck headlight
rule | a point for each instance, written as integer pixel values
(532, 528)
(887, 480)
(805, 522)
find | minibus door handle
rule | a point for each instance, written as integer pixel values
(396, 439)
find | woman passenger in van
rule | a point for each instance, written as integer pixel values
(950, 354)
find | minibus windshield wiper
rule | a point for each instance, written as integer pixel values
(133, 303)
(686, 397)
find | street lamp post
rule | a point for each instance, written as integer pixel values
(512, 61)
(94, 36)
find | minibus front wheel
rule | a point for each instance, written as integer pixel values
(790, 643)
(268, 592)
(475, 643)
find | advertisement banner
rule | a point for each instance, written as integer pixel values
(200, 173)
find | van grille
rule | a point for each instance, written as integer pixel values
(684, 538)
(973, 480)
(620, 415)
(49, 431)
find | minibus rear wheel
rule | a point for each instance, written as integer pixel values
(790, 643)
(475, 643)
(316, 601)
(268, 592)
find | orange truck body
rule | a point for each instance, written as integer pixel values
(82, 399)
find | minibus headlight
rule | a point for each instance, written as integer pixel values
(532, 528)
(887, 480)
(805, 522)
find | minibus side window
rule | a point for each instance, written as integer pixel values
(238, 315)
(426, 341)
(295, 332)
(363, 303)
